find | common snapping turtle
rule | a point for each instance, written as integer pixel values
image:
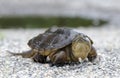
(61, 45)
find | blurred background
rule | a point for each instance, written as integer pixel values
(47, 13)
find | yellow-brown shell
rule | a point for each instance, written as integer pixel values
(52, 40)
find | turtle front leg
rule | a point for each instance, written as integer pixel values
(58, 59)
(92, 54)
(39, 58)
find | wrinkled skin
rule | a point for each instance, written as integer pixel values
(79, 47)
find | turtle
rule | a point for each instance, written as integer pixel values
(61, 45)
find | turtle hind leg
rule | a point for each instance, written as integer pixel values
(39, 58)
(58, 59)
(92, 54)
(26, 54)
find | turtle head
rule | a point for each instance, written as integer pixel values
(81, 46)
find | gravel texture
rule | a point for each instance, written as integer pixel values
(106, 41)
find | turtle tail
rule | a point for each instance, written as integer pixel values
(25, 54)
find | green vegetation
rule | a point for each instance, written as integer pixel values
(35, 22)
(1, 36)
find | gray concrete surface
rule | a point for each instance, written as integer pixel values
(96, 9)
(106, 41)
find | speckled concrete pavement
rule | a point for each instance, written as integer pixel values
(106, 41)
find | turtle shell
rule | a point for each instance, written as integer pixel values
(53, 38)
